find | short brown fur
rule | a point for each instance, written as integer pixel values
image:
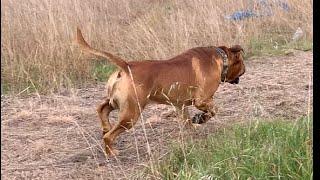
(190, 78)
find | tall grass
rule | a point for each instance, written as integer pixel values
(37, 35)
(261, 150)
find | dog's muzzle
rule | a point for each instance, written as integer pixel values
(235, 81)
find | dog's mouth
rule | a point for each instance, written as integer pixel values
(235, 81)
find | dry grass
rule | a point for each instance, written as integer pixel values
(38, 53)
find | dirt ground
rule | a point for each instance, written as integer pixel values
(59, 136)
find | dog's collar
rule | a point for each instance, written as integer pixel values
(224, 65)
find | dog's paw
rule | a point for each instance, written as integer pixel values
(112, 152)
(196, 126)
(199, 118)
(104, 132)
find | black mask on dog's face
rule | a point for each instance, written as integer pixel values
(236, 67)
(236, 81)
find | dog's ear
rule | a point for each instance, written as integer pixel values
(236, 48)
(224, 48)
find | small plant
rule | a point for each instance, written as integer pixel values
(102, 70)
(4, 88)
(303, 45)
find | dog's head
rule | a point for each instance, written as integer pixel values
(236, 66)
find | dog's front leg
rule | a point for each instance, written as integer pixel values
(208, 108)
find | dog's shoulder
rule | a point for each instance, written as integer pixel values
(203, 49)
(199, 52)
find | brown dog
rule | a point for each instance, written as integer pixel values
(190, 78)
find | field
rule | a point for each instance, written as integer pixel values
(49, 89)
(257, 150)
(59, 136)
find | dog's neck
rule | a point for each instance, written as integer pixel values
(224, 65)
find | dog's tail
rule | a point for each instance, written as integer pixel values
(114, 59)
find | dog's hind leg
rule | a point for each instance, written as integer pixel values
(104, 110)
(128, 117)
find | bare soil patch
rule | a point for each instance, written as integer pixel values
(59, 136)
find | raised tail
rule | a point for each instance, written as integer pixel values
(114, 59)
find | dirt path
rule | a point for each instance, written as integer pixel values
(59, 136)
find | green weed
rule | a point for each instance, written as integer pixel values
(259, 150)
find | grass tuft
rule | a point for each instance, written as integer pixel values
(102, 70)
(267, 150)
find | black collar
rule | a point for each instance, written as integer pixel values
(224, 65)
